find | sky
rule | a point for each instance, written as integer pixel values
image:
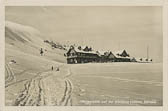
(113, 28)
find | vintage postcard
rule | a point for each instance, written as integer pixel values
(108, 56)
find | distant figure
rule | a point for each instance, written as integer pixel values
(41, 52)
(58, 69)
(52, 68)
(13, 61)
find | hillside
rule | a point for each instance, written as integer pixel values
(29, 40)
(23, 61)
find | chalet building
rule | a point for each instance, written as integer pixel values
(122, 53)
(86, 55)
(122, 56)
(106, 56)
(79, 55)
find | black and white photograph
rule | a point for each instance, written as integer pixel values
(83, 56)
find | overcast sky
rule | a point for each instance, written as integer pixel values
(104, 28)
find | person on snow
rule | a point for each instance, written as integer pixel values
(41, 52)
(52, 68)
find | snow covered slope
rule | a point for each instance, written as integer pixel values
(29, 40)
(24, 62)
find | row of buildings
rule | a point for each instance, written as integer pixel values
(86, 54)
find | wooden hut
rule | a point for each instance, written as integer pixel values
(122, 56)
(80, 55)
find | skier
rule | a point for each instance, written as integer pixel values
(41, 52)
(52, 68)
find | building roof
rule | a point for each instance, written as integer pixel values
(120, 51)
(101, 52)
(81, 51)
(83, 47)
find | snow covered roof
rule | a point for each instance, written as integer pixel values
(82, 51)
(119, 52)
(83, 47)
(101, 52)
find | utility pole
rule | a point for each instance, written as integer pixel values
(147, 52)
(82, 39)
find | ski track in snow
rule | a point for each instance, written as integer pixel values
(66, 99)
(33, 93)
(10, 75)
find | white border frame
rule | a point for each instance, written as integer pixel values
(163, 3)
